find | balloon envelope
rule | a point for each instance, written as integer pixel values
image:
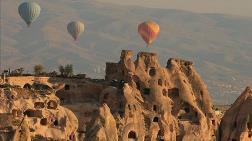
(29, 12)
(149, 31)
(75, 29)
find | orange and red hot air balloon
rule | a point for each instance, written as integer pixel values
(149, 31)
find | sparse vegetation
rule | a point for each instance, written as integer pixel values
(67, 70)
(38, 69)
(17, 72)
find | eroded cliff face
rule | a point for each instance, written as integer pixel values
(236, 125)
(138, 101)
(150, 102)
(36, 115)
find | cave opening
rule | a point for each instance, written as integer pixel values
(56, 123)
(146, 91)
(155, 108)
(152, 71)
(173, 92)
(164, 92)
(160, 82)
(43, 121)
(187, 109)
(132, 135)
(155, 119)
(67, 87)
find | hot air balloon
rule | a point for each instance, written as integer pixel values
(148, 31)
(29, 12)
(75, 29)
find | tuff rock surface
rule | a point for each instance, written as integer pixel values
(137, 101)
(34, 115)
(149, 102)
(236, 125)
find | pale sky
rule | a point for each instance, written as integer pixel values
(234, 7)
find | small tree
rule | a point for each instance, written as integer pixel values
(53, 74)
(61, 70)
(21, 71)
(38, 69)
(69, 70)
(66, 71)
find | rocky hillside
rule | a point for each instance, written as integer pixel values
(138, 100)
(219, 45)
(237, 122)
(34, 114)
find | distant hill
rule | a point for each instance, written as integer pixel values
(219, 45)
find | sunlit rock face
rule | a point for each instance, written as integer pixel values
(236, 125)
(28, 114)
(149, 102)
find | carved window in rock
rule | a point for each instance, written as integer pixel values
(67, 87)
(27, 86)
(71, 137)
(187, 108)
(201, 93)
(129, 107)
(155, 108)
(249, 125)
(137, 81)
(196, 114)
(132, 135)
(33, 113)
(155, 119)
(250, 135)
(173, 92)
(146, 91)
(134, 107)
(56, 123)
(43, 121)
(164, 92)
(152, 71)
(39, 105)
(213, 122)
(160, 135)
(160, 82)
(52, 104)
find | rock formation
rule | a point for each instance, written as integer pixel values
(138, 101)
(34, 115)
(150, 102)
(236, 125)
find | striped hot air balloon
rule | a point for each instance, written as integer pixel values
(29, 12)
(149, 31)
(75, 29)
